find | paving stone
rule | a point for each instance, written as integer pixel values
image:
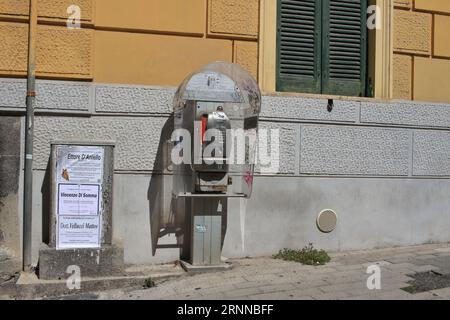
(219, 289)
(332, 296)
(361, 292)
(250, 284)
(272, 296)
(424, 296)
(364, 297)
(396, 260)
(381, 263)
(424, 268)
(444, 293)
(389, 281)
(352, 286)
(347, 279)
(261, 277)
(348, 273)
(397, 294)
(349, 267)
(216, 296)
(323, 270)
(303, 298)
(300, 293)
(277, 287)
(310, 284)
(242, 292)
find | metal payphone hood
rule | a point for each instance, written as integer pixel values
(221, 96)
(222, 82)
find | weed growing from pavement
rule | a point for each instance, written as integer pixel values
(308, 255)
(149, 283)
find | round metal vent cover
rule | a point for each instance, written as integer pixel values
(326, 220)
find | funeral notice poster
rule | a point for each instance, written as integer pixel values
(78, 199)
(79, 177)
(79, 164)
(78, 232)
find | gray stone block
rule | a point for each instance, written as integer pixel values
(107, 261)
(431, 155)
(133, 99)
(54, 95)
(343, 150)
(406, 113)
(12, 93)
(63, 95)
(299, 108)
(136, 138)
(286, 146)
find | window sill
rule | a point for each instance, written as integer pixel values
(348, 98)
(322, 96)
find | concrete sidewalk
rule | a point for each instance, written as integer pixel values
(344, 277)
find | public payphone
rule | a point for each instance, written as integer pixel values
(215, 136)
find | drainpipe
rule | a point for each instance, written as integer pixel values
(29, 129)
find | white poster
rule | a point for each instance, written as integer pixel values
(79, 164)
(79, 178)
(78, 199)
(78, 232)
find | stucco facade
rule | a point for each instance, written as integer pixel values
(421, 50)
(157, 42)
(381, 164)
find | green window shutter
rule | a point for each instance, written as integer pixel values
(344, 47)
(299, 46)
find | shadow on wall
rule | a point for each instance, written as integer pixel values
(45, 193)
(159, 195)
(167, 214)
(10, 127)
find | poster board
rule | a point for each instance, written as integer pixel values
(79, 183)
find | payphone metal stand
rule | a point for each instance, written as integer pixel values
(206, 213)
(208, 106)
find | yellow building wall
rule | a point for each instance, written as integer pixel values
(154, 42)
(159, 42)
(421, 41)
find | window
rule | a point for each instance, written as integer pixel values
(322, 46)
